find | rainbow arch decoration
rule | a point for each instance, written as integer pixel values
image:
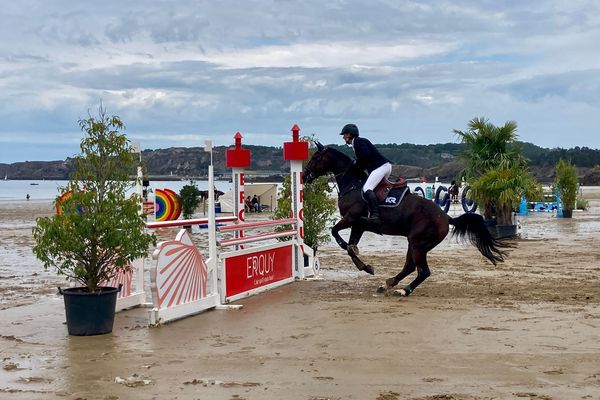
(167, 205)
(61, 199)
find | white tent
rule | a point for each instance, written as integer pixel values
(266, 193)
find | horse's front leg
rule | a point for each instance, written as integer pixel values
(343, 223)
(352, 248)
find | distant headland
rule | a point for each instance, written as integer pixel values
(410, 161)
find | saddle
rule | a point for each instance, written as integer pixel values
(385, 186)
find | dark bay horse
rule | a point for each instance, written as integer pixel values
(423, 223)
(204, 195)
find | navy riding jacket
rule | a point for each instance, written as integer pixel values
(367, 156)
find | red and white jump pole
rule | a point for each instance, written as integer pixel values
(237, 159)
(296, 152)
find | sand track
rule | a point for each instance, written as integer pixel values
(525, 329)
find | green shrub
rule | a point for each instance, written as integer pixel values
(189, 196)
(318, 210)
(581, 203)
(566, 181)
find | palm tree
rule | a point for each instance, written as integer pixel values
(502, 188)
(496, 167)
(488, 146)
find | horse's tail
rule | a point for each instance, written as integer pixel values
(473, 226)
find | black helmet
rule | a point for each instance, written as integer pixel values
(351, 129)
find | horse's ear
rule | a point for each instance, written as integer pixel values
(320, 147)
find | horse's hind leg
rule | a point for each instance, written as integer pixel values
(409, 268)
(420, 261)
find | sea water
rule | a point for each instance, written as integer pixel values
(11, 190)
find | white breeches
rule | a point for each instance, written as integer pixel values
(376, 176)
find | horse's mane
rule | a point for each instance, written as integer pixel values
(338, 154)
(345, 161)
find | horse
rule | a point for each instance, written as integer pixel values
(420, 220)
(204, 195)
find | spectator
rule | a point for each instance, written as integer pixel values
(248, 204)
(255, 204)
(453, 190)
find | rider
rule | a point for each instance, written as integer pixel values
(369, 158)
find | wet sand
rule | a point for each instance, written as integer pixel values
(525, 329)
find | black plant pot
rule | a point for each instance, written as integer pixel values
(90, 313)
(567, 213)
(490, 224)
(506, 231)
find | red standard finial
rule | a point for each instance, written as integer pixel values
(238, 140)
(295, 150)
(295, 133)
(237, 157)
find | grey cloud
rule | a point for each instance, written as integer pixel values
(576, 86)
(149, 73)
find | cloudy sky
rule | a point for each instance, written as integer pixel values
(179, 72)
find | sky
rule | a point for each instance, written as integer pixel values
(182, 72)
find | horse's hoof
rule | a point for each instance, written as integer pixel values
(381, 289)
(369, 270)
(403, 292)
(353, 250)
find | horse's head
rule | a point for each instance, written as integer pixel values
(318, 165)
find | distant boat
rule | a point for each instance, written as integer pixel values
(34, 184)
(5, 177)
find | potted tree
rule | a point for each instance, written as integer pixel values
(501, 189)
(100, 229)
(189, 196)
(497, 172)
(567, 185)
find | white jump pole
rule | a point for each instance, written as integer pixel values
(212, 262)
(127, 298)
(296, 152)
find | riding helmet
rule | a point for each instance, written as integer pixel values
(351, 129)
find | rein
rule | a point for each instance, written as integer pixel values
(341, 175)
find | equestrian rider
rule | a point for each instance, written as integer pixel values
(370, 159)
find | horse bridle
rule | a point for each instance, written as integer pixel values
(311, 177)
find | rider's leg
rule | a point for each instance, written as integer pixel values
(373, 206)
(372, 181)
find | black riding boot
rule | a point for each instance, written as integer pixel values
(373, 207)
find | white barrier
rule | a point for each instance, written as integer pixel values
(184, 281)
(182, 284)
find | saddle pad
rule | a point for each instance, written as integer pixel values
(394, 197)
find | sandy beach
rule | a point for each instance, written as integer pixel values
(525, 329)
